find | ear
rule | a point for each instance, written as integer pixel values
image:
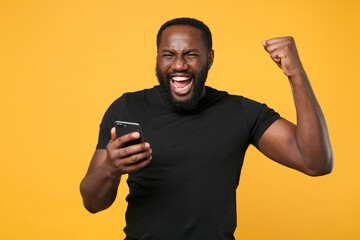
(211, 58)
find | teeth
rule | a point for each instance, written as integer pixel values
(180, 78)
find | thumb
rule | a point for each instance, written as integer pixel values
(113, 134)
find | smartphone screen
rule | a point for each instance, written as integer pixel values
(123, 128)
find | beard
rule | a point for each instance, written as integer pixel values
(198, 86)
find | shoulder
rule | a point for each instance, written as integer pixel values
(142, 93)
(237, 100)
(252, 110)
(135, 103)
(136, 96)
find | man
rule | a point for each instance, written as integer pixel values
(183, 187)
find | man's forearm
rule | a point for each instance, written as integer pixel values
(312, 137)
(99, 189)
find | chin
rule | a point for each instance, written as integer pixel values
(182, 98)
(183, 103)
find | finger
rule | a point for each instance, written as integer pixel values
(125, 165)
(139, 165)
(267, 43)
(113, 134)
(122, 140)
(112, 139)
(136, 158)
(134, 149)
(264, 43)
(277, 40)
(277, 55)
(128, 138)
(279, 45)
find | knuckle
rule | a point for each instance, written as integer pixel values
(111, 154)
(291, 41)
(134, 158)
(118, 165)
(121, 168)
(125, 151)
(108, 146)
(124, 138)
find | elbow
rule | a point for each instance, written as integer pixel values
(318, 173)
(324, 169)
(89, 208)
(86, 203)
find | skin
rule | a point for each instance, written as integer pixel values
(305, 147)
(99, 187)
(182, 52)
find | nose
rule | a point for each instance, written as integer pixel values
(180, 64)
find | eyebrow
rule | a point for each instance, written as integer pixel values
(192, 50)
(186, 52)
(168, 51)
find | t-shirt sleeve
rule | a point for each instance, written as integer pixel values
(259, 118)
(105, 128)
(110, 116)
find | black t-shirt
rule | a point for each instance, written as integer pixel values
(188, 191)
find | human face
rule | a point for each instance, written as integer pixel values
(182, 65)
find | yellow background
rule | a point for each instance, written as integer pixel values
(62, 63)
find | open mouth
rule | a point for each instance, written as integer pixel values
(181, 85)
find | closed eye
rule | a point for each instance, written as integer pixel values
(192, 53)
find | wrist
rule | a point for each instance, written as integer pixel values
(110, 170)
(298, 77)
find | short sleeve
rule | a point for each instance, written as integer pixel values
(259, 117)
(111, 115)
(105, 128)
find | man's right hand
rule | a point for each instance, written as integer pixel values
(99, 186)
(121, 160)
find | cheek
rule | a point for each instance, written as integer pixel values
(163, 70)
(196, 69)
(160, 68)
(196, 64)
(163, 65)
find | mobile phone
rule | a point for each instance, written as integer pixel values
(123, 128)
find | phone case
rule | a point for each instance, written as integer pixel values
(123, 128)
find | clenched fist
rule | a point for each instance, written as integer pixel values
(284, 53)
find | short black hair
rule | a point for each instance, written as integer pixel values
(190, 22)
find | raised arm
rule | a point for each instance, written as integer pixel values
(305, 147)
(99, 186)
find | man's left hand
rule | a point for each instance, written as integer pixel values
(284, 53)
